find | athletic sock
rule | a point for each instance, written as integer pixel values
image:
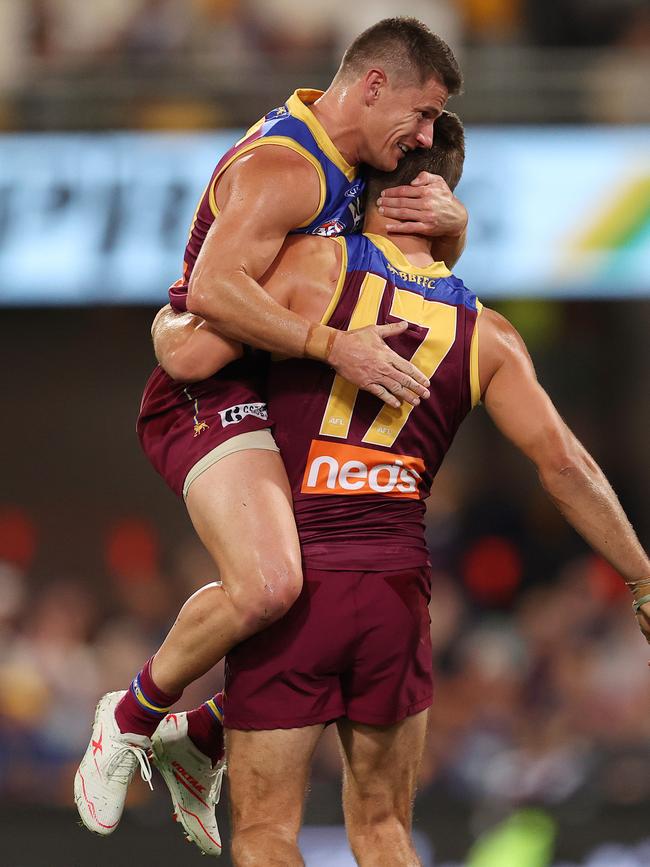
(144, 705)
(205, 728)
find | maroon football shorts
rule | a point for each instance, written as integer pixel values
(181, 423)
(354, 644)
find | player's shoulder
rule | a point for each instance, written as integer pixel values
(312, 253)
(498, 331)
(270, 183)
(277, 162)
(305, 267)
(451, 288)
(499, 344)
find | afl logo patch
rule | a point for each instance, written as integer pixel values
(330, 228)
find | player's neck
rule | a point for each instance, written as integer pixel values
(333, 112)
(416, 248)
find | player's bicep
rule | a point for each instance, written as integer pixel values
(513, 397)
(268, 193)
(238, 241)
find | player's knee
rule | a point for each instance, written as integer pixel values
(263, 844)
(270, 596)
(368, 832)
(272, 601)
(286, 587)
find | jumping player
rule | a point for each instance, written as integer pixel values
(355, 647)
(295, 171)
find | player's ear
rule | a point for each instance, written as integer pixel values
(373, 83)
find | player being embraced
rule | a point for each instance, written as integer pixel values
(355, 646)
(296, 171)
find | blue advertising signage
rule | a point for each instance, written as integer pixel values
(103, 219)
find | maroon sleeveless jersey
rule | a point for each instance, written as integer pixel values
(359, 470)
(294, 126)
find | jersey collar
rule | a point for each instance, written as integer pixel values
(399, 260)
(298, 104)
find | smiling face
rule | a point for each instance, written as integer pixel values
(398, 118)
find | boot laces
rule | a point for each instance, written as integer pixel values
(124, 762)
(215, 788)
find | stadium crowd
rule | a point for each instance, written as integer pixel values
(541, 676)
(163, 62)
(138, 28)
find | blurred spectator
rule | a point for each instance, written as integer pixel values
(73, 31)
(617, 86)
(491, 21)
(293, 33)
(584, 23)
(16, 21)
(222, 30)
(13, 595)
(157, 27)
(49, 680)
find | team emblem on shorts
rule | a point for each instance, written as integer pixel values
(235, 414)
(330, 228)
(199, 426)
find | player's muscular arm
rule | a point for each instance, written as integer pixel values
(428, 207)
(302, 278)
(188, 348)
(524, 413)
(262, 197)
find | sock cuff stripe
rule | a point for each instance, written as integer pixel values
(142, 699)
(215, 709)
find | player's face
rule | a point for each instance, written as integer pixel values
(402, 119)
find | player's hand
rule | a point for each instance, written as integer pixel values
(425, 207)
(362, 357)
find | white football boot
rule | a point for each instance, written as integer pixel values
(193, 783)
(107, 768)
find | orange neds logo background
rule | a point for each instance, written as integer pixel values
(339, 468)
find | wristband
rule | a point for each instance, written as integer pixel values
(319, 342)
(638, 583)
(639, 602)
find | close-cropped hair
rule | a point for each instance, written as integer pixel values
(446, 158)
(407, 46)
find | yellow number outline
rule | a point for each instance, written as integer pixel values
(439, 319)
